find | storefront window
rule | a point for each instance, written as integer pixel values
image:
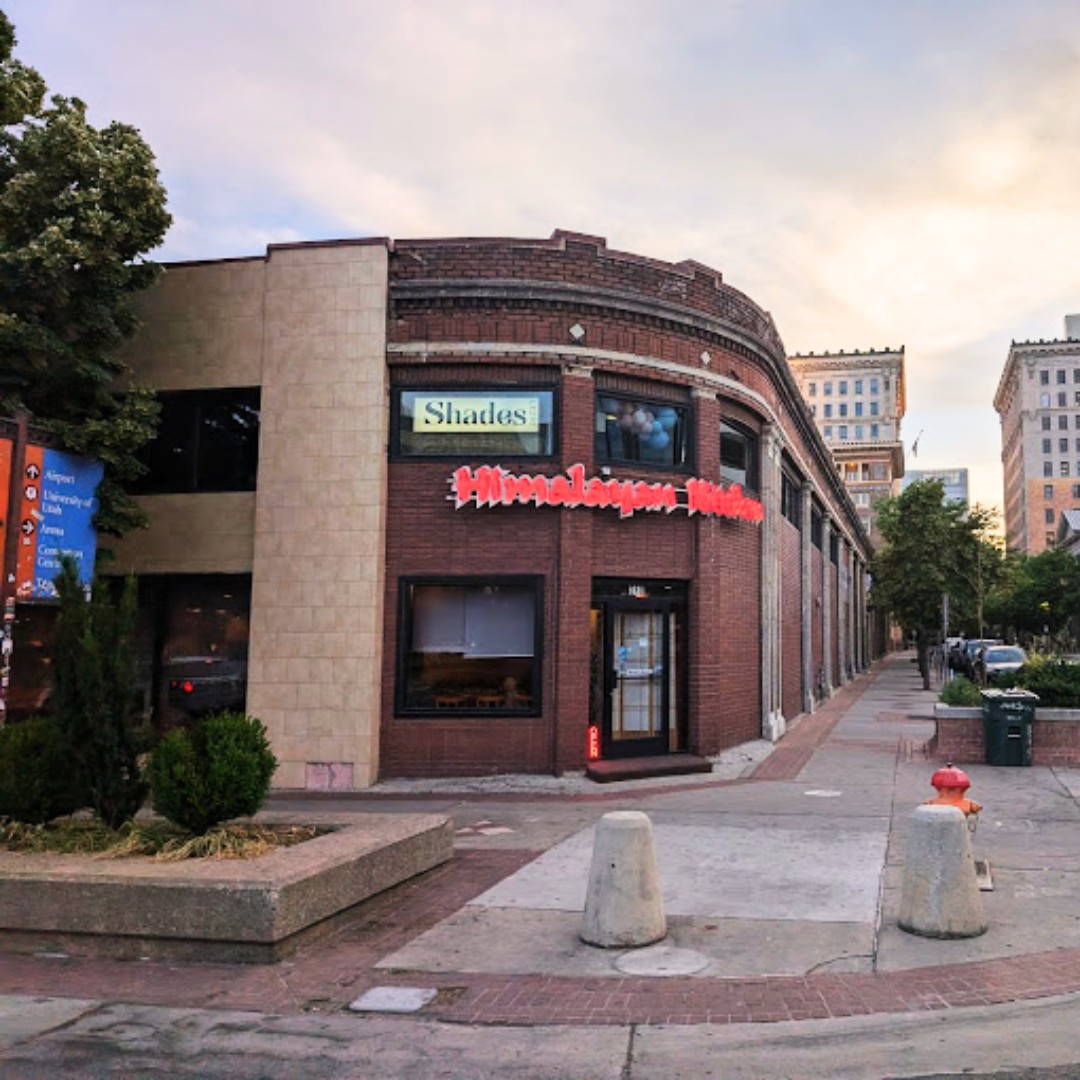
(193, 645)
(469, 647)
(446, 422)
(635, 430)
(30, 686)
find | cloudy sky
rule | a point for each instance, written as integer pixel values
(873, 172)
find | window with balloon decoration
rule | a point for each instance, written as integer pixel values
(644, 432)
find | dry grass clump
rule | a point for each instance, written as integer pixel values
(164, 842)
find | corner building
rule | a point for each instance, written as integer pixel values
(518, 505)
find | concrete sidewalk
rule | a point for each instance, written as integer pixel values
(781, 886)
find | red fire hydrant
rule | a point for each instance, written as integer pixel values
(951, 783)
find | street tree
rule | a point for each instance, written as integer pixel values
(1039, 596)
(931, 546)
(80, 207)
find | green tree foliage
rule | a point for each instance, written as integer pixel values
(1037, 596)
(930, 549)
(79, 208)
(94, 691)
(217, 770)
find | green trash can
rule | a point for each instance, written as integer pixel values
(1008, 716)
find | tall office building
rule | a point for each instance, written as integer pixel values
(954, 481)
(857, 401)
(1038, 401)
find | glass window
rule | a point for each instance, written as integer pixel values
(843, 431)
(1063, 399)
(1044, 401)
(813, 410)
(1048, 468)
(1049, 515)
(1076, 491)
(874, 385)
(644, 432)
(843, 386)
(858, 386)
(451, 422)
(1063, 423)
(207, 440)
(816, 526)
(1076, 421)
(1044, 378)
(858, 408)
(192, 645)
(1077, 396)
(739, 455)
(828, 431)
(843, 408)
(828, 389)
(1046, 423)
(30, 688)
(874, 430)
(812, 388)
(873, 408)
(1063, 445)
(1063, 468)
(1061, 376)
(791, 500)
(858, 431)
(1076, 375)
(469, 648)
(828, 410)
(1049, 539)
(1046, 446)
(1048, 491)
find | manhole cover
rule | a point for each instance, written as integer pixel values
(661, 960)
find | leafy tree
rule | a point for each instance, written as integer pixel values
(1038, 595)
(94, 691)
(79, 208)
(930, 548)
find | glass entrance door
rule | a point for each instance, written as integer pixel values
(637, 674)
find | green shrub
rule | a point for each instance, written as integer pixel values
(214, 771)
(961, 691)
(38, 777)
(1056, 681)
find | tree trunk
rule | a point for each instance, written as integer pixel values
(922, 646)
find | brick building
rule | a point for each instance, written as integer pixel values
(445, 507)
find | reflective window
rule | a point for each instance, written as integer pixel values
(739, 455)
(207, 440)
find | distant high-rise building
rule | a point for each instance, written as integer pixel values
(1038, 401)
(857, 400)
(955, 482)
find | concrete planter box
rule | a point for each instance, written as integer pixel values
(958, 735)
(241, 910)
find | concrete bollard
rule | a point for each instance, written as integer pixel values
(623, 907)
(940, 895)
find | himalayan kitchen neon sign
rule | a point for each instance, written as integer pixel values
(491, 485)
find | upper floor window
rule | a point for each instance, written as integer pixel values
(207, 440)
(1049, 515)
(1046, 423)
(791, 500)
(843, 408)
(843, 386)
(1076, 375)
(858, 408)
(1048, 468)
(873, 408)
(1061, 376)
(451, 422)
(1063, 399)
(828, 431)
(874, 431)
(1048, 490)
(828, 410)
(817, 522)
(827, 387)
(812, 389)
(1063, 423)
(858, 431)
(1044, 401)
(1046, 446)
(1063, 445)
(1076, 491)
(1044, 378)
(843, 431)
(739, 455)
(1064, 468)
(874, 385)
(634, 429)
(858, 386)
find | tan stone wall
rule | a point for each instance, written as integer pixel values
(316, 619)
(308, 325)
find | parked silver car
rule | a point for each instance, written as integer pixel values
(993, 661)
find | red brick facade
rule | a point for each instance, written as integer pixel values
(502, 312)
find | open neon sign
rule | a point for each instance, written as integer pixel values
(491, 485)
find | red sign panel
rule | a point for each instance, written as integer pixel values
(491, 485)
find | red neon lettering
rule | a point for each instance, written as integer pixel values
(592, 748)
(490, 485)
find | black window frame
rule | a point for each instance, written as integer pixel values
(167, 481)
(398, 455)
(791, 501)
(752, 444)
(403, 710)
(685, 429)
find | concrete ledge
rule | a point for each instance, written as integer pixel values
(958, 735)
(252, 909)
